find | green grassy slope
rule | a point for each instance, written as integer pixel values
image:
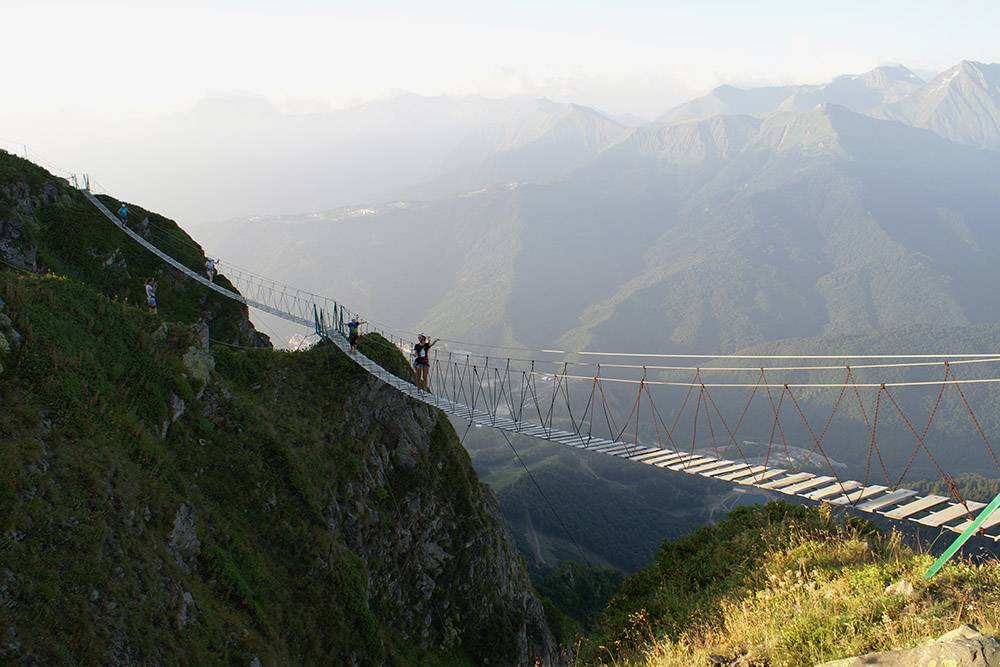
(255, 463)
(786, 585)
(47, 226)
(166, 503)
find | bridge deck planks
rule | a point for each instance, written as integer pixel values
(711, 466)
(832, 490)
(854, 497)
(755, 479)
(810, 483)
(733, 476)
(950, 513)
(915, 507)
(993, 520)
(779, 484)
(886, 500)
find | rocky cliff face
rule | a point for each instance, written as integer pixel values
(963, 647)
(443, 566)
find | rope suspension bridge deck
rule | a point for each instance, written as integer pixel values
(495, 396)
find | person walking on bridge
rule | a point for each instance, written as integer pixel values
(211, 269)
(151, 294)
(352, 332)
(422, 360)
(123, 214)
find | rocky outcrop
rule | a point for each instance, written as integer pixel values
(440, 560)
(10, 338)
(199, 364)
(184, 544)
(963, 647)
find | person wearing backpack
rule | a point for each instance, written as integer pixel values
(422, 360)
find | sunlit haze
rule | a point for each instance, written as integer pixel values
(633, 57)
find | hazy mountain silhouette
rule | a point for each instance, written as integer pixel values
(961, 103)
(862, 93)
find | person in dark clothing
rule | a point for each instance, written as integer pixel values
(422, 360)
(352, 332)
(123, 214)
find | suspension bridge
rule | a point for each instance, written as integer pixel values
(611, 404)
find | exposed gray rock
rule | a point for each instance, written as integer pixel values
(901, 587)
(200, 332)
(184, 544)
(199, 364)
(8, 584)
(4, 344)
(444, 583)
(7, 328)
(184, 613)
(177, 407)
(962, 647)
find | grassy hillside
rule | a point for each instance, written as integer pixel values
(154, 509)
(172, 497)
(47, 226)
(786, 585)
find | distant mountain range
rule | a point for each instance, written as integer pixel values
(766, 222)
(962, 103)
(859, 216)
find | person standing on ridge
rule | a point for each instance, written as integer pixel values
(210, 269)
(123, 214)
(422, 360)
(352, 332)
(151, 294)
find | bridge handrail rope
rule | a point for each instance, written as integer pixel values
(479, 388)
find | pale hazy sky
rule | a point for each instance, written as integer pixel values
(638, 57)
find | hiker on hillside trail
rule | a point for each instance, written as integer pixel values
(352, 332)
(123, 214)
(422, 360)
(210, 269)
(151, 294)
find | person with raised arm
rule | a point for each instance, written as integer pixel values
(422, 360)
(353, 334)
